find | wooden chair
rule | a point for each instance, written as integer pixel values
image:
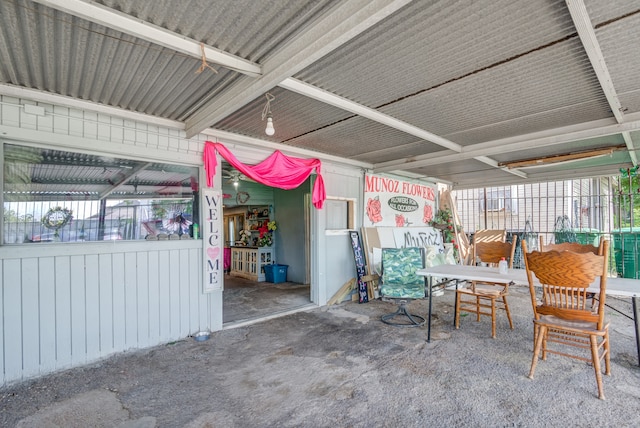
(489, 235)
(564, 316)
(481, 297)
(572, 246)
(400, 283)
(575, 248)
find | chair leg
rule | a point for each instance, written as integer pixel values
(493, 318)
(506, 308)
(607, 355)
(477, 309)
(457, 310)
(542, 331)
(402, 313)
(596, 365)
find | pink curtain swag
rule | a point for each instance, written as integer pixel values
(277, 170)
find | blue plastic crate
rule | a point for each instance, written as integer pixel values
(275, 273)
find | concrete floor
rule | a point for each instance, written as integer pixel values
(340, 366)
(245, 300)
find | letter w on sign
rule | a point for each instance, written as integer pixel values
(358, 255)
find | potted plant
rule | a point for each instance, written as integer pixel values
(443, 221)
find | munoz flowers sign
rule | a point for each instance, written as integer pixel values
(393, 202)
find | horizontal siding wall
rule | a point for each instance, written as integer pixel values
(60, 311)
(89, 130)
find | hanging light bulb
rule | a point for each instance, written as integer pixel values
(266, 113)
(269, 130)
(235, 182)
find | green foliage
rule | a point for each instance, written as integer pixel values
(10, 216)
(628, 201)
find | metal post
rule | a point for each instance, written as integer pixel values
(636, 320)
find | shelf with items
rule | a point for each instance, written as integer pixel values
(249, 262)
(256, 217)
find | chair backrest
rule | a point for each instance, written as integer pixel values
(489, 235)
(573, 247)
(493, 251)
(564, 277)
(398, 277)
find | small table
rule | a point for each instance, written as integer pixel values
(621, 287)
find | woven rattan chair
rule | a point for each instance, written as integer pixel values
(483, 298)
(564, 316)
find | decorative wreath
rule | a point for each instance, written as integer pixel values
(242, 197)
(57, 218)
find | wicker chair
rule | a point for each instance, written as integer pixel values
(400, 283)
(564, 316)
(482, 298)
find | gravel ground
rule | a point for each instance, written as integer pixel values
(340, 367)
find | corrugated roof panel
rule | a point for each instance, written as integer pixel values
(619, 43)
(294, 115)
(428, 44)
(246, 28)
(538, 91)
(90, 62)
(603, 11)
(359, 138)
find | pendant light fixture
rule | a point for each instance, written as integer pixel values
(266, 113)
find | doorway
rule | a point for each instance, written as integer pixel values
(247, 207)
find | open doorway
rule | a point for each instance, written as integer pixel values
(251, 210)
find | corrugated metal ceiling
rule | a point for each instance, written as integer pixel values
(469, 74)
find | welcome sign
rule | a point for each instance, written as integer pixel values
(213, 239)
(393, 202)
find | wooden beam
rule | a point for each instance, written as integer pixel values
(561, 158)
(342, 292)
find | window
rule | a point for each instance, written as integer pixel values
(340, 214)
(52, 195)
(498, 200)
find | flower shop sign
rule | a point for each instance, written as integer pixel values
(213, 239)
(393, 202)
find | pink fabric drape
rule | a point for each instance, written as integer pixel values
(278, 170)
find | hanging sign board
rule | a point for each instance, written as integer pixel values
(213, 239)
(393, 202)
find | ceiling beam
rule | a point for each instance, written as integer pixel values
(495, 164)
(562, 158)
(345, 21)
(630, 146)
(572, 174)
(583, 131)
(123, 180)
(587, 35)
(230, 139)
(111, 18)
(361, 110)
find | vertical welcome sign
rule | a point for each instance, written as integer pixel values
(212, 237)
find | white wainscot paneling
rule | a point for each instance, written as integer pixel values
(69, 305)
